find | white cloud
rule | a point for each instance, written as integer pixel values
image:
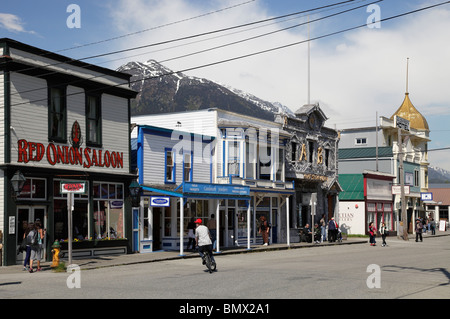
(12, 23)
(353, 75)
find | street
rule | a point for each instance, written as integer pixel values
(401, 270)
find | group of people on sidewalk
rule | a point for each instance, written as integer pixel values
(32, 241)
(421, 226)
(319, 234)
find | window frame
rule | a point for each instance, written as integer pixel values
(62, 113)
(173, 180)
(97, 120)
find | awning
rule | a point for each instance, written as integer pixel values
(203, 191)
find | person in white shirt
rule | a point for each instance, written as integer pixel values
(203, 239)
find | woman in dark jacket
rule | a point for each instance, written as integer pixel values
(372, 232)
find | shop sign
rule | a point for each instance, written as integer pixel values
(426, 196)
(397, 190)
(67, 155)
(160, 201)
(73, 187)
(218, 189)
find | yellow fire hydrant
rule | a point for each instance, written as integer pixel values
(56, 250)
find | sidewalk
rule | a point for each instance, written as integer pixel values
(136, 258)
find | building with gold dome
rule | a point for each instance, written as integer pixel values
(369, 169)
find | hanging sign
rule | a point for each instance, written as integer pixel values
(75, 187)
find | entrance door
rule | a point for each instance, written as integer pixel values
(25, 216)
(157, 212)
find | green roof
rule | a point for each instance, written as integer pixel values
(365, 152)
(352, 185)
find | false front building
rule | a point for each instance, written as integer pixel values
(311, 164)
(64, 120)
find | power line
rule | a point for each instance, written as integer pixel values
(157, 27)
(175, 40)
(263, 51)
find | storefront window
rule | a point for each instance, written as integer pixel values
(34, 188)
(108, 211)
(193, 208)
(80, 224)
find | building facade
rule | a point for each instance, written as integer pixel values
(311, 164)
(379, 148)
(246, 152)
(63, 120)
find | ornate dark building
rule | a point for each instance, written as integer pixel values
(311, 163)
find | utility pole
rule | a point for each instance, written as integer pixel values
(402, 184)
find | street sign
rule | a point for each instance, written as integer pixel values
(426, 196)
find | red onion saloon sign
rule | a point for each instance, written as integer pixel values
(68, 155)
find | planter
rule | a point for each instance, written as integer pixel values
(93, 244)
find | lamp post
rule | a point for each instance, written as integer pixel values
(135, 189)
(18, 181)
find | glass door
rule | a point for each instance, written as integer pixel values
(25, 216)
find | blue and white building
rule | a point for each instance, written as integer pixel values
(237, 160)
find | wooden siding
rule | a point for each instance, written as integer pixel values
(29, 120)
(154, 161)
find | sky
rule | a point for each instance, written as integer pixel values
(353, 75)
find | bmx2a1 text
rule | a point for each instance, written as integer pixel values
(226, 309)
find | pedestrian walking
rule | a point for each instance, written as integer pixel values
(264, 230)
(323, 229)
(26, 261)
(433, 226)
(419, 228)
(40, 241)
(332, 230)
(211, 224)
(373, 234)
(383, 232)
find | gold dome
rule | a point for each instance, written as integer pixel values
(409, 112)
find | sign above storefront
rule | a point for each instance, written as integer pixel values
(160, 201)
(218, 189)
(68, 155)
(426, 196)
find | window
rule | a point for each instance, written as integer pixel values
(108, 211)
(233, 158)
(279, 168)
(57, 115)
(311, 152)
(34, 188)
(416, 178)
(80, 215)
(187, 168)
(169, 176)
(294, 147)
(93, 120)
(361, 141)
(250, 158)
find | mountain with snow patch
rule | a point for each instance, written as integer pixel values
(162, 90)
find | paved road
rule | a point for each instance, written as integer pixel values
(406, 270)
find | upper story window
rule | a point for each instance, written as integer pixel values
(169, 176)
(361, 141)
(57, 114)
(187, 168)
(234, 158)
(93, 120)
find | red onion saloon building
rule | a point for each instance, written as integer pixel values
(63, 121)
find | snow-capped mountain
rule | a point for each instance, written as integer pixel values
(162, 90)
(438, 175)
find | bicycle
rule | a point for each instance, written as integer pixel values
(207, 261)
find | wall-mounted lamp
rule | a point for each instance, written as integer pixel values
(17, 182)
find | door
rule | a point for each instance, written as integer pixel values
(25, 216)
(135, 229)
(157, 212)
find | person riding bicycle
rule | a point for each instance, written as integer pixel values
(203, 240)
